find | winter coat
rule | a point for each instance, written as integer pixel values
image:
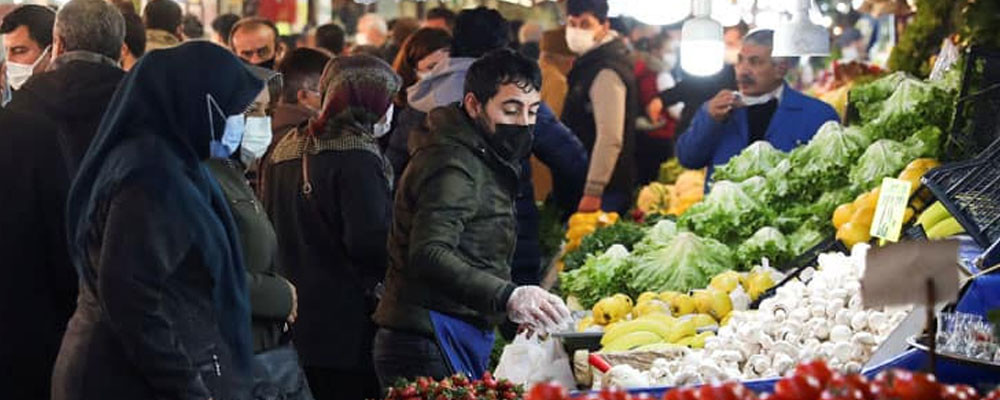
(453, 231)
(333, 248)
(44, 132)
(270, 295)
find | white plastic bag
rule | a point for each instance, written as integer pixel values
(531, 360)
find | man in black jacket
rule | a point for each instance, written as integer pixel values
(602, 105)
(44, 134)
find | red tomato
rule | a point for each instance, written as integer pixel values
(994, 395)
(685, 393)
(547, 391)
(797, 387)
(842, 392)
(816, 369)
(613, 394)
(916, 386)
(766, 396)
(958, 392)
(856, 381)
(717, 391)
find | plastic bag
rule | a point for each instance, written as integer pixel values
(529, 360)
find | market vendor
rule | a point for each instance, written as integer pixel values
(448, 284)
(764, 108)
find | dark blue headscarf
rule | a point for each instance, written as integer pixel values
(154, 135)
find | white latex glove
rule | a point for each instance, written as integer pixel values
(540, 310)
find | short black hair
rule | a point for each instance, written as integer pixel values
(330, 37)
(192, 27)
(223, 25)
(38, 19)
(165, 15)
(479, 31)
(135, 34)
(499, 68)
(599, 8)
(442, 13)
(301, 69)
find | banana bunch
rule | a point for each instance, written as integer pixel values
(853, 220)
(583, 224)
(657, 331)
(938, 223)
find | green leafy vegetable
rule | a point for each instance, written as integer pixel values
(756, 159)
(822, 164)
(882, 159)
(686, 262)
(727, 214)
(912, 106)
(804, 239)
(657, 236)
(767, 242)
(623, 233)
(868, 98)
(601, 275)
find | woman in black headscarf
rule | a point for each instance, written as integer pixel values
(163, 309)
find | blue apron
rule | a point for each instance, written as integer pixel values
(466, 347)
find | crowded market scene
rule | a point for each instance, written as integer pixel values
(500, 199)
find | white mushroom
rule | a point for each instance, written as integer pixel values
(833, 306)
(855, 303)
(843, 351)
(877, 320)
(759, 363)
(739, 299)
(799, 314)
(843, 317)
(782, 362)
(786, 348)
(807, 274)
(863, 339)
(818, 328)
(859, 321)
(818, 310)
(840, 333)
(852, 367)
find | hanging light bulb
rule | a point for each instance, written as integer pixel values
(702, 48)
(800, 36)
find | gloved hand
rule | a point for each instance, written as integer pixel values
(540, 310)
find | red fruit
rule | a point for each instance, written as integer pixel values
(797, 387)
(614, 394)
(856, 381)
(716, 391)
(546, 391)
(510, 396)
(958, 392)
(916, 386)
(842, 392)
(766, 396)
(994, 395)
(685, 393)
(816, 369)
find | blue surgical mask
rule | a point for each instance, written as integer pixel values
(226, 145)
(257, 137)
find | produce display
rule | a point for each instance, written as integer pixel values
(657, 320)
(672, 199)
(583, 224)
(818, 317)
(456, 387)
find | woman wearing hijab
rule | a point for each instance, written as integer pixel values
(327, 192)
(163, 310)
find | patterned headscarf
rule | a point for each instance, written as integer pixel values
(357, 91)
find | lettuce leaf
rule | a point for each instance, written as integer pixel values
(756, 159)
(727, 214)
(883, 158)
(601, 275)
(767, 242)
(912, 106)
(868, 98)
(686, 262)
(822, 165)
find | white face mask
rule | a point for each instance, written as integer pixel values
(580, 40)
(421, 75)
(18, 74)
(670, 59)
(383, 126)
(256, 137)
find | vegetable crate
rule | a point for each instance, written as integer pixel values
(970, 190)
(976, 122)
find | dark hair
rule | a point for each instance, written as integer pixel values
(223, 25)
(135, 34)
(499, 68)
(164, 15)
(253, 23)
(300, 70)
(126, 6)
(419, 45)
(192, 27)
(331, 37)
(658, 41)
(442, 13)
(479, 31)
(38, 19)
(599, 8)
(403, 29)
(741, 27)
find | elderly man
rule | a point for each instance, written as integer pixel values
(27, 35)
(44, 133)
(764, 108)
(372, 31)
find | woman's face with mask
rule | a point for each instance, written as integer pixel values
(427, 64)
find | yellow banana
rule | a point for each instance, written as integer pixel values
(943, 229)
(632, 340)
(932, 215)
(621, 329)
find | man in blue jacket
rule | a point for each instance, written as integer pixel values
(765, 108)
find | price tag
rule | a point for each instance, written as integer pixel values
(890, 209)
